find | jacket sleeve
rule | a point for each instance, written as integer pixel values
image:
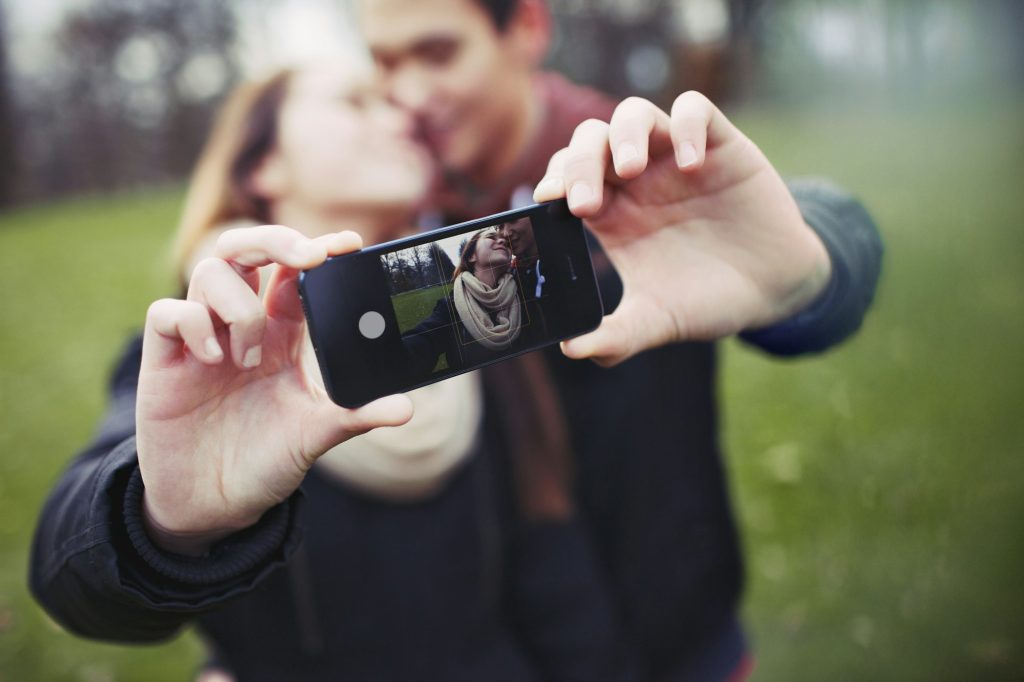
(855, 249)
(428, 340)
(94, 569)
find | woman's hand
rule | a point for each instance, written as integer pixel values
(228, 422)
(701, 228)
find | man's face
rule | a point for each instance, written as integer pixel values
(446, 63)
(520, 236)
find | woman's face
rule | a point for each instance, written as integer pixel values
(492, 252)
(340, 145)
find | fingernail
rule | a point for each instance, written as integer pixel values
(213, 348)
(626, 153)
(580, 194)
(253, 357)
(686, 155)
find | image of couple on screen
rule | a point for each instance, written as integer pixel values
(487, 309)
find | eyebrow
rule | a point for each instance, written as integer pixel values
(410, 48)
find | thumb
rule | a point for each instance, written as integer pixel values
(332, 425)
(608, 345)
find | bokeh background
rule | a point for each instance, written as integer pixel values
(880, 488)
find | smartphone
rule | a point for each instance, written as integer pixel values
(397, 316)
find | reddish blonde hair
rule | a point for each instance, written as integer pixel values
(220, 191)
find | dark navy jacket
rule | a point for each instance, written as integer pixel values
(335, 585)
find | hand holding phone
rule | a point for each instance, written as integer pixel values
(408, 313)
(228, 421)
(705, 234)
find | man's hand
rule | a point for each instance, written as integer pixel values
(228, 421)
(701, 228)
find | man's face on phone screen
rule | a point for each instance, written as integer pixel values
(447, 63)
(520, 236)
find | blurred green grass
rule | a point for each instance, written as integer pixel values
(880, 488)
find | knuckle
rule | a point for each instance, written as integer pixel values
(632, 107)
(578, 163)
(206, 267)
(251, 318)
(692, 98)
(228, 237)
(557, 162)
(589, 129)
(593, 124)
(161, 308)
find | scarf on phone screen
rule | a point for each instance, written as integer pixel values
(491, 315)
(413, 461)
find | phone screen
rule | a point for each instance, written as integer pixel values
(404, 314)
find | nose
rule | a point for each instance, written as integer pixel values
(409, 90)
(393, 120)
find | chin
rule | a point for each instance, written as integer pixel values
(407, 197)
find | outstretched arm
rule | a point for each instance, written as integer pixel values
(188, 496)
(94, 569)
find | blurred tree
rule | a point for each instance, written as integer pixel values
(8, 150)
(659, 48)
(444, 263)
(130, 95)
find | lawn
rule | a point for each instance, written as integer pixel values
(880, 488)
(412, 307)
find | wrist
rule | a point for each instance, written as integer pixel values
(185, 542)
(803, 293)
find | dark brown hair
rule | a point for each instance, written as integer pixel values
(500, 11)
(466, 251)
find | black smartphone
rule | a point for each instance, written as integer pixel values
(396, 316)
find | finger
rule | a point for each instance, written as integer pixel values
(216, 285)
(392, 410)
(586, 161)
(254, 247)
(282, 295)
(333, 424)
(174, 327)
(608, 345)
(338, 243)
(552, 185)
(696, 123)
(636, 129)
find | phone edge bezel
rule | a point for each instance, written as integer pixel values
(429, 236)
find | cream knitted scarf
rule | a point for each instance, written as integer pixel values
(490, 315)
(413, 461)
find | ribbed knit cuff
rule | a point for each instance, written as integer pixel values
(229, 559)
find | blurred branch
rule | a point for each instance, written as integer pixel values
(129, 96)
(8, 150)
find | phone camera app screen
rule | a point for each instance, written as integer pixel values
(468, 299)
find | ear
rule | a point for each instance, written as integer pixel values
(270, 179)
(529, 31)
